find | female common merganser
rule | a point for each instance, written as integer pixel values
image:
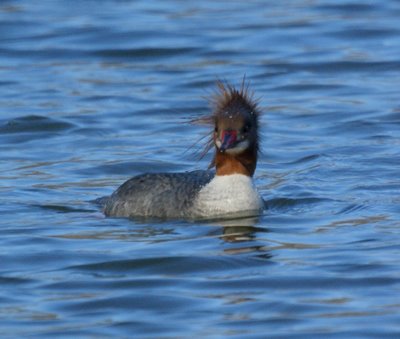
(228, 191)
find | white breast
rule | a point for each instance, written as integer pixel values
(228, 194)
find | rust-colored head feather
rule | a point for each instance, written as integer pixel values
(235, 109)
(232, 109)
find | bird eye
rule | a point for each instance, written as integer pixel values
(246, 128)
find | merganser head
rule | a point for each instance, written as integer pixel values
(235, 133)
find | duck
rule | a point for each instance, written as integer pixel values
(224, 190)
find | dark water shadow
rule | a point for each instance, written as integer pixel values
(63, 208)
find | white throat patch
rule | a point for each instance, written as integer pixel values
(228, 194)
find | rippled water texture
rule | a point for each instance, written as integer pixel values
(94, 92)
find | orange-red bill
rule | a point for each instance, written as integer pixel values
(228, 139)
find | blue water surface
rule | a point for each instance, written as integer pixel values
(94, 92)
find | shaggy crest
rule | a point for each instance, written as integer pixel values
(227, 100)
